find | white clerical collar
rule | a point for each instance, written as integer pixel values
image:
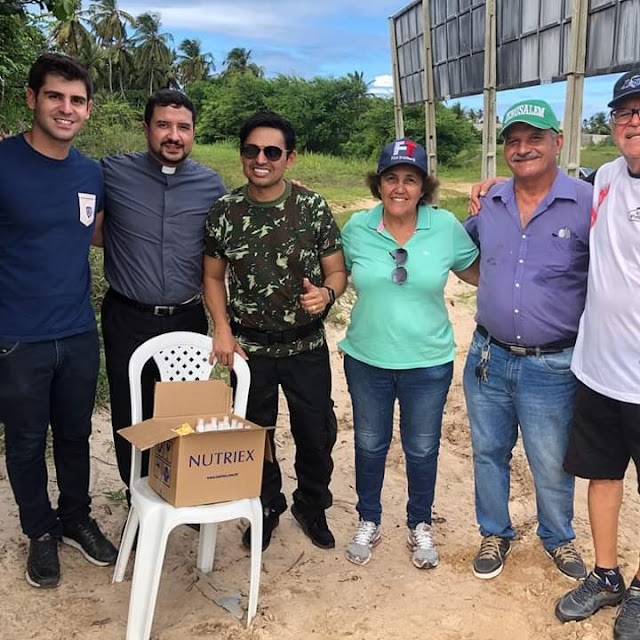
(168, 170)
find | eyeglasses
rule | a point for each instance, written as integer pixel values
(252, 151)
(399, 274)
(623, 116)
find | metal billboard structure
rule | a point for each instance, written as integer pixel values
(482, 46)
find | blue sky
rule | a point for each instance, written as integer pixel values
(310, 38)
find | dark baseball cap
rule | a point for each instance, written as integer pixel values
(403, 151)
(626, 86)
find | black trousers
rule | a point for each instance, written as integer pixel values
(124, 329)
(306, 382)
(41, 383)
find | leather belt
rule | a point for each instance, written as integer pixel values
(520, 350)
(158, 309)
(276, 337)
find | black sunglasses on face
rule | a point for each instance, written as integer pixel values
(252, 151)
(399, 274)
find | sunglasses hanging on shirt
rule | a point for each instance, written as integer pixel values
(399, 274)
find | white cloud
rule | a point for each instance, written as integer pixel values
(382, 85)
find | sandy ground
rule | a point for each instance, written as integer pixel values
(310, 593)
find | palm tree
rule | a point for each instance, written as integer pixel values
(110, 26)
(70, 34)
(94, 59)
(237, 61)
(153, 55)
(193, 65)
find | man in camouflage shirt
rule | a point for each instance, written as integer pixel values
(280, 248)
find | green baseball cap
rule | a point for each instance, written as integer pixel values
(536, 113)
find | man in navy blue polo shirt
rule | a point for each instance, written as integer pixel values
(49, 356)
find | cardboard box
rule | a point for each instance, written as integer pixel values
(188, 468)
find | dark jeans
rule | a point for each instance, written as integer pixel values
(305, 379)
(124, 329)
(41, 383)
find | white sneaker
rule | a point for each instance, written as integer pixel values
(366, 537)
(420, 541)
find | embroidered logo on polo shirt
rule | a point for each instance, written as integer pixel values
(634, 215)
(87, 208)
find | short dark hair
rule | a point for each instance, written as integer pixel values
(272, 121)
(429, 186)
(167, 98)
(57, 64)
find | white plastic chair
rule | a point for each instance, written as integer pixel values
(180, 356)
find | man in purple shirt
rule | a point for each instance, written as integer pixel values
(533, 235)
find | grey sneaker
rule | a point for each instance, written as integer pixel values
(489, 561)
(420, 541)
(586, 599)
(627, 625)
(366, 537)
(568, 561)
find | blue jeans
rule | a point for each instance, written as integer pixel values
(535, 392)
(41, 383)
(421, 394)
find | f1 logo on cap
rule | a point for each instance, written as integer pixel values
(404, 148)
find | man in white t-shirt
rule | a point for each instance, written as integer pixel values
(606, 428)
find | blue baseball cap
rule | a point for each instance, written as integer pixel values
(403, 151)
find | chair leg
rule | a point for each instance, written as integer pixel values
(207, 546)
(152, 542)
(256, 562)
(126, 545)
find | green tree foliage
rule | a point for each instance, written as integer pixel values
(70, 34)
(598, 124)
(193, 65)
(228, 102)
(238, 61)
(20, 42)
(59, 8)
(110, 28)
(153, 56)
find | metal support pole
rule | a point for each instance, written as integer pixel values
(489, 93)
(572, 125)
(397, 96)
(429, 90)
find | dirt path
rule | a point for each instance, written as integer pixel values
(308, 593)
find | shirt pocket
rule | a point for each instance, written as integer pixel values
(562, 254)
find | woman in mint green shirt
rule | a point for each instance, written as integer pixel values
(399, 344)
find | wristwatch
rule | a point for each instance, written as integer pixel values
(332, 295)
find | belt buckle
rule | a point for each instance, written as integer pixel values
(518, 350)
(161, 310)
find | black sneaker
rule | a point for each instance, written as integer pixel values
(568, 561)
(270, 520)
(586, 599)
(43, 566)
(489, 561)
(627, 625)
(315, 526)
(87, 538)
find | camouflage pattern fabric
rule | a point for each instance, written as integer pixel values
(270, 247)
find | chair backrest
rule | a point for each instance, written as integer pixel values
(180, 356)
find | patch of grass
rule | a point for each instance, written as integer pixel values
(455, 203)
(116, 496)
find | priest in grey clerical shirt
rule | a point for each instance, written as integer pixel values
(156, 204)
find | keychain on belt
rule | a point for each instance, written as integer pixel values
(482, 368)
